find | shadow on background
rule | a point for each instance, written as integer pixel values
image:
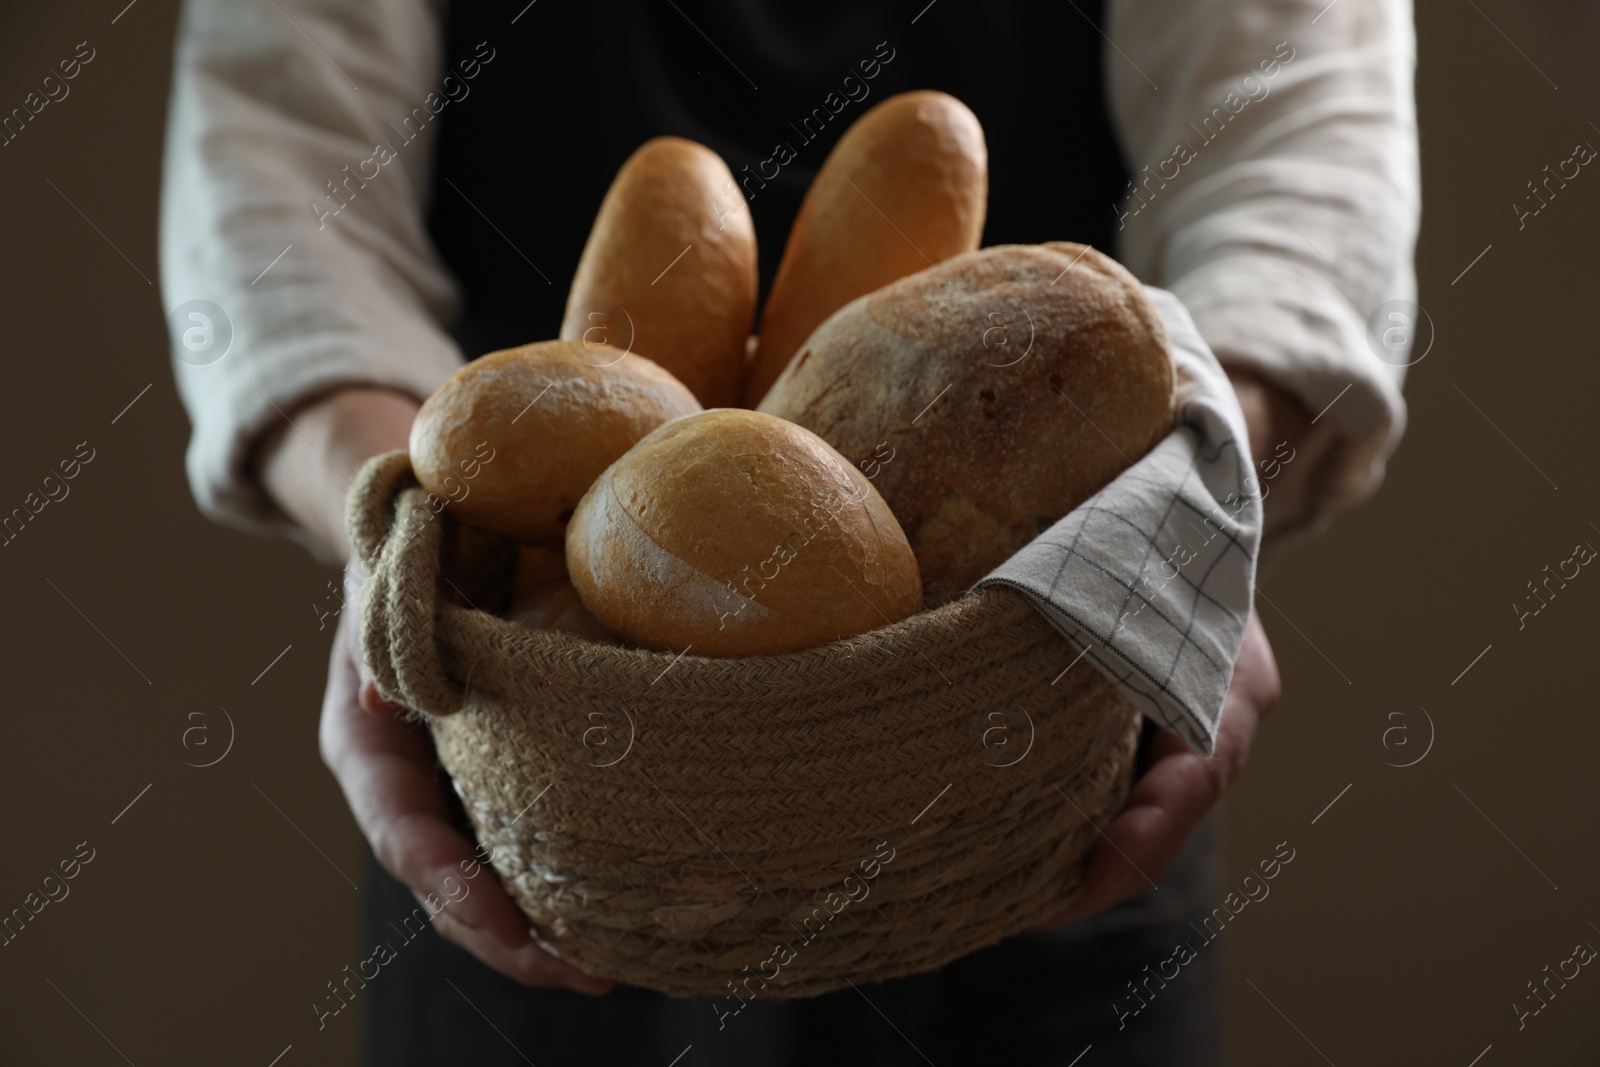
(217, 901)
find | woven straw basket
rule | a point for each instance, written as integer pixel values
(776, 825)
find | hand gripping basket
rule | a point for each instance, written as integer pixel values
(775, 825)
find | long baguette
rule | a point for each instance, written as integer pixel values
(667, 273)
(904, 189)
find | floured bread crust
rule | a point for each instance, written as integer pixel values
(736, 534)
(1008, 384)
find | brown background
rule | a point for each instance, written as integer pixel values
(1403, 930)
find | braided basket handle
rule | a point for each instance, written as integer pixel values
(397, 540)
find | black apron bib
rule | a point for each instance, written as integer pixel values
(574, 86)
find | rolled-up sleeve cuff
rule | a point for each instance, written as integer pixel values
(1288, 323)
(248, 397)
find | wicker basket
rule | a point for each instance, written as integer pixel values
(776, 825)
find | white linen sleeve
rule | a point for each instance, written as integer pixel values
(1276, 193)
(277, 208)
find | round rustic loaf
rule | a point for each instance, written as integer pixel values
(905, 187)
(512, 440)
(669, 270)
(731, 533)
(987, 397)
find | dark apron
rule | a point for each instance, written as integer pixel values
(574, 86)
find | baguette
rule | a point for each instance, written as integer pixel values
(667, 272)
(904, 189)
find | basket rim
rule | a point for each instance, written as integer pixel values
(959, 615)
(387, 480)
(940, 637)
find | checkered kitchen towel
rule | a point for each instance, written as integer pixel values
(1152, 576)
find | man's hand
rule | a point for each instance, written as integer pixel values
(387, 769)
(386, 765)
(1177, 789)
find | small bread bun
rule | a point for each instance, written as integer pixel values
(732, 533)
(905, 188)
(990, 397)
(669, 271)
(543, 599)
(512, 440)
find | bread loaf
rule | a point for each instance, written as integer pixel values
(987, 398)
(543, 599)
(732, 533)
(905, 188)
(512, 440)
(669, 271)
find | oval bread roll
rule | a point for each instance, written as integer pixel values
(987, 398)
(512, 440)
(905, 188)
(669, 271)
(732, 533)
(543, 599)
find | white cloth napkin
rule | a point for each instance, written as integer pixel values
(1152, 576)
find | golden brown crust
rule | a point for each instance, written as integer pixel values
(512, 440)
(733, 534)
(1008, 386)
(669, 271)
(906, 187)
